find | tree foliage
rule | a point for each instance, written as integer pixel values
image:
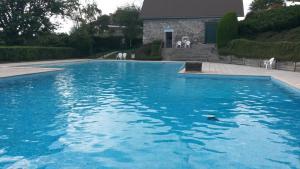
(260, 5)
(24, 19)
(32, 23)
(271, 20)
(129, 18)
(227, 29)
(86, 14)
(81, 39)
(101, 24)
(51, 40)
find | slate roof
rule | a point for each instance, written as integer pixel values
(164, 9)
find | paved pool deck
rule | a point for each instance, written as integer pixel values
(26, 68)
(290, 78)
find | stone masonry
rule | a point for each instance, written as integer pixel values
(193, 28)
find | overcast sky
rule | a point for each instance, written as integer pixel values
(109, 6)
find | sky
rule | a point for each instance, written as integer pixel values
(109, 6)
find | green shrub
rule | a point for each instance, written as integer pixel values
(283, 51)
(156, 48)
(291, 35)
(145, 50)
(29, 53)
(227, 29)
(151, 51)
(271, 20)
(51, 40)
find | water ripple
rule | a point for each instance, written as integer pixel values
(143, 115)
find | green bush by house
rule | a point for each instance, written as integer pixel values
(227, 29)
(271, 20)
(282, 51)
(156, 48)
(29, 53)
(270, 33)
(151, 51)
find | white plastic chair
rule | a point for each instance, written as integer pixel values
(119, 56)
(132, 56)
(124, 56)
(188, 44)
(269, 63)
(179, 44)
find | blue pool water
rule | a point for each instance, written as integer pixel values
(144, 115)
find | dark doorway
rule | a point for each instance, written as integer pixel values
(211, 32)
(169, 39)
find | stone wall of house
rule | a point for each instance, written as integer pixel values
(199, 52)
(193, 28)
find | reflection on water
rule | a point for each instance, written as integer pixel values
(144, 115)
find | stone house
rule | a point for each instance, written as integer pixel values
(196, 20)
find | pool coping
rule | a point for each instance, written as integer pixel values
(35, 67)
(276, 80)
(26, 76)
(43, 66)
(285, 85)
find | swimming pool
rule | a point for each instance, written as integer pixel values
(145, 115)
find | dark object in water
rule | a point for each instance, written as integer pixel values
(212, 118)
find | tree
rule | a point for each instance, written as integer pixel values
(260, 5)
(81, 39)
(101, 24)
(1, 37)
(293, 1)
(24, 19)
(91, 12)
(129, 18)
(52, 39)
(81, 36)
(86, 14)
(227, 29)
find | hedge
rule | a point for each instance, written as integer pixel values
(151, 51)
(282, 51)
(156, 48)
(291, 35)
(227, 29)
(29, 53)
(271, 20)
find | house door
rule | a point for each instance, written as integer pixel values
(211, 32)
(169, 39)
